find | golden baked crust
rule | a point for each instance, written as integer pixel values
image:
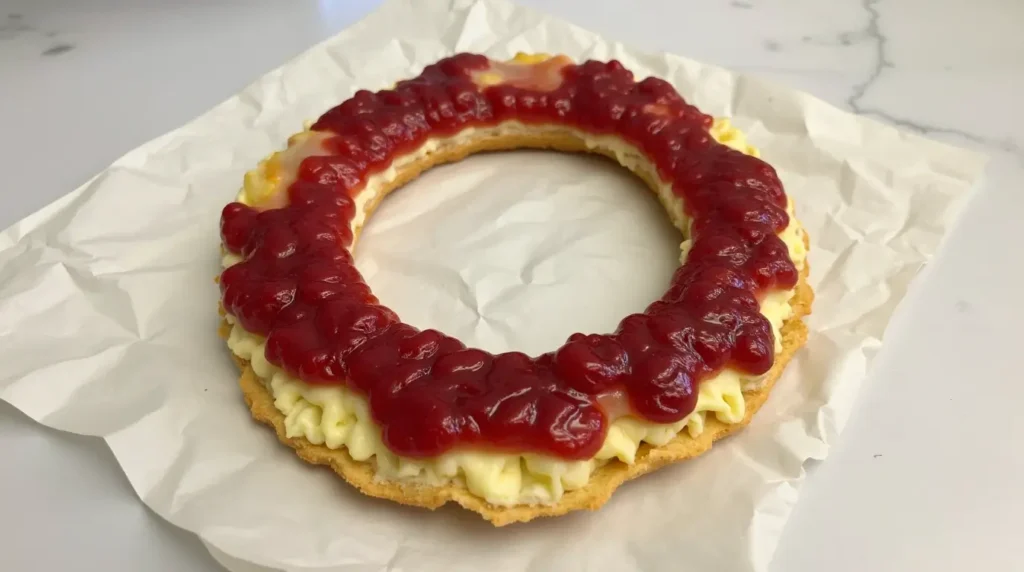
(606, 478)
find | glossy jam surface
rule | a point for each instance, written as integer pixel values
(430, 394)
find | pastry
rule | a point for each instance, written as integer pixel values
(419, 418)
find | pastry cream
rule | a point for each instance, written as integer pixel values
(338, 417)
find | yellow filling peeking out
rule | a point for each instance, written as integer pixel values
(524, 58)
(724, 132)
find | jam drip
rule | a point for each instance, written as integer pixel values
(298, 287)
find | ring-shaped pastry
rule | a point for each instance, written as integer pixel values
(417, 417)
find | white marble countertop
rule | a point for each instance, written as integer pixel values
(927, 475)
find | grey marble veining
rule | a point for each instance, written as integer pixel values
(16, 28)
(882, 63)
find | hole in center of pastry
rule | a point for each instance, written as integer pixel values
(518, 250)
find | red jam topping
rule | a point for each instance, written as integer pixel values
(298, 287)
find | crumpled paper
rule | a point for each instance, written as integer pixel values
(108, 306)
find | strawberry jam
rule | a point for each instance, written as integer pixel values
(297, 285)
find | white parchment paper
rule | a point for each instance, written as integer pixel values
(108, 306)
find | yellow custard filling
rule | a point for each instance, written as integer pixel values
(337, 417)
